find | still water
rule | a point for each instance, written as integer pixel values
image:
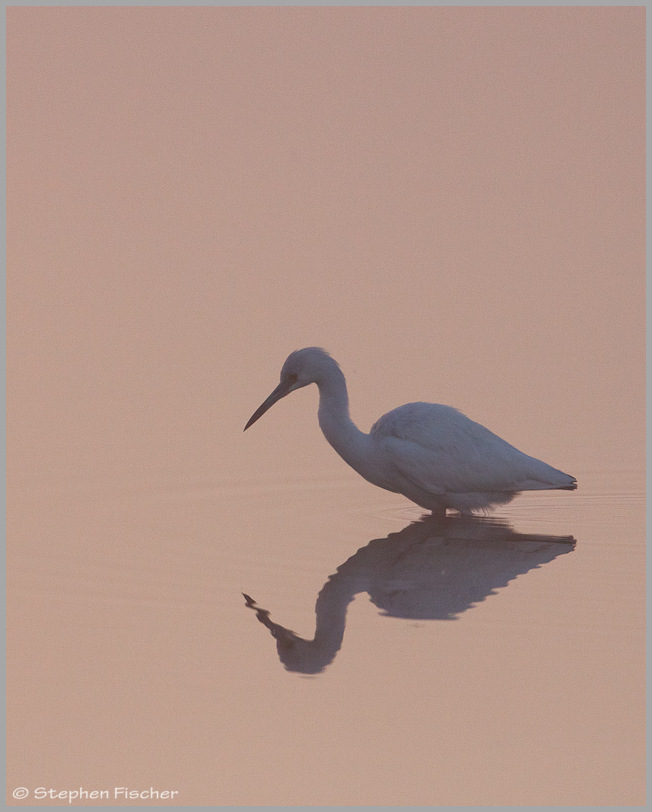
(378, 656)
(451, 200)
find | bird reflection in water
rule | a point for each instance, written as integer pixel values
(434, 569)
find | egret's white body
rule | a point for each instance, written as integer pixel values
(430, 453)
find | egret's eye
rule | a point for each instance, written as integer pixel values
(292, 378)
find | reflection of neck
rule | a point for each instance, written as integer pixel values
(330, 609)
(312, 656)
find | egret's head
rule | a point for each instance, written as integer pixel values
(308, 365)
(301, 367)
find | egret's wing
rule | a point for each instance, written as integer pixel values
(440, 450)
(447, 470)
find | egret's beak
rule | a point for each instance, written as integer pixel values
(283, 389)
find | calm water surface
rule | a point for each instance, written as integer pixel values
(379, 656)
(428, 192)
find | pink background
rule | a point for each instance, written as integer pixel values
(450, 200)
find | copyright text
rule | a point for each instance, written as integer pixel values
(82, 794)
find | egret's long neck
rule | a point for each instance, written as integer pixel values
(340, 431)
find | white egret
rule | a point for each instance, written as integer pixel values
(430, 453)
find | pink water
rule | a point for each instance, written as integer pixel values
(451, 201)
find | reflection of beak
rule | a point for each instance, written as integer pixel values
(283, 389)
